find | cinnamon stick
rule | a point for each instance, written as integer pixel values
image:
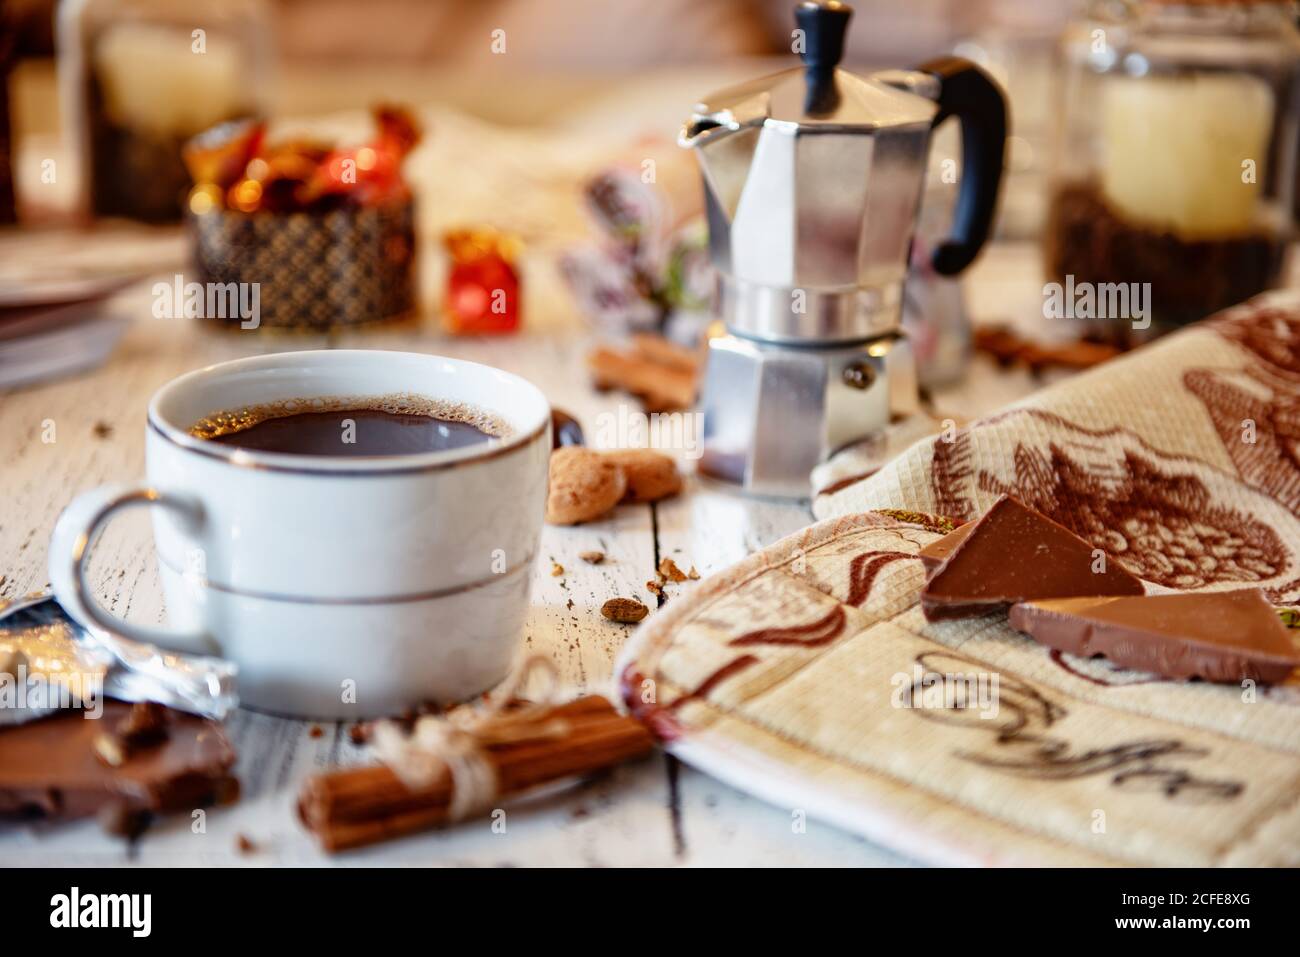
(662, 375)
(358, 806)
(1008, 348)
(666, 353)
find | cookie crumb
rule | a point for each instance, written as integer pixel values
(359, 733)
(556, 569)
(693, 575)
(592, 558)
(935, 523)
(669, 571)
(244, 844)
(654, 588)
(315, 731)
(624, 610)
(102, 430)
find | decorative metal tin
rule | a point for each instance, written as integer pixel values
(344, 267)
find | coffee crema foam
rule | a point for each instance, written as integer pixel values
(401, 403)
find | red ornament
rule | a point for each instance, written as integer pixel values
(482, 283)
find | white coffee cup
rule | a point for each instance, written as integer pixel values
(342, 587)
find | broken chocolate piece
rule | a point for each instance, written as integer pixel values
(50, 767)
(1218, 636)
(937, 552)
(144, 726)
(1015, 554)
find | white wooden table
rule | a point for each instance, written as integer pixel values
(652, 813)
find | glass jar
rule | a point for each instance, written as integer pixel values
(8, 204)
(1174, 164)
(140, 77)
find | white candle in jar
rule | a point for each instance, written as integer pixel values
(155, 81)
(1186, 153)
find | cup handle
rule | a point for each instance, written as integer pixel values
(70, 547)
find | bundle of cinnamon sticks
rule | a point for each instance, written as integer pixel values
(358, 806)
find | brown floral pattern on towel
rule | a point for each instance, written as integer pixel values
(1169, 519)
(1271, 333)
(1255, 408)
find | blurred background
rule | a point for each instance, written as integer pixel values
(621, 68)
(535, 112)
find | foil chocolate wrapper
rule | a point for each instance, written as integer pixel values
(44, 668)
(49, 662)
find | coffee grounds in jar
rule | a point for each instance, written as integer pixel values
(1190, 279)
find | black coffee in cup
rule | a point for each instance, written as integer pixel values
(385, 425)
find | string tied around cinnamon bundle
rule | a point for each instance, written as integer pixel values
(455, 744)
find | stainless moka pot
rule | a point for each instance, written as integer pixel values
(812, 181)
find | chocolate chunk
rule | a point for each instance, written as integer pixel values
(1015, 554)
(937, 552)
(50, 767)
(144, 725)
(1219, 636)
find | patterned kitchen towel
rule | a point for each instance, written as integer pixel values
(1182, 459)
(807, 675)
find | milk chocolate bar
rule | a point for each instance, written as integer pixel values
(1015, 554)
(937, 552)
(60, 767)
(1218, 636)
